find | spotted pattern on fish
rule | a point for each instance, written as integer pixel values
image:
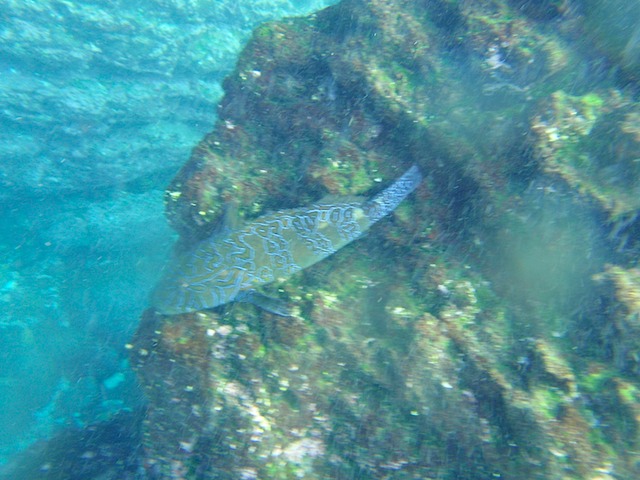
(272, 247)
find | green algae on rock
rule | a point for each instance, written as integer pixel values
(593, 142)
(415, 355)
(623, 340)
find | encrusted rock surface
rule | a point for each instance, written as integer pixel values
(442, 345)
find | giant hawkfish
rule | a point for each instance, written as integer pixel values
(229, 267)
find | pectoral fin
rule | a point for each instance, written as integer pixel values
(270, 304)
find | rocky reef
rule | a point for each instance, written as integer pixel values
(488, 329)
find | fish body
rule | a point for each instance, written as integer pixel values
(271, 248)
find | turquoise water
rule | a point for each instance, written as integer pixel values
(487, 329)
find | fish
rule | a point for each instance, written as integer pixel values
(227, 268)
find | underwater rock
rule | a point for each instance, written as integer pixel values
(593, 141)
(623, 337)
(172, 359)
(327, 108)
(107, 450)
(101, 93)
(614, 28)
(403, 358)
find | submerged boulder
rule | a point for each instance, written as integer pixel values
(441, 345)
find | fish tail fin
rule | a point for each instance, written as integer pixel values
(386, 201)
